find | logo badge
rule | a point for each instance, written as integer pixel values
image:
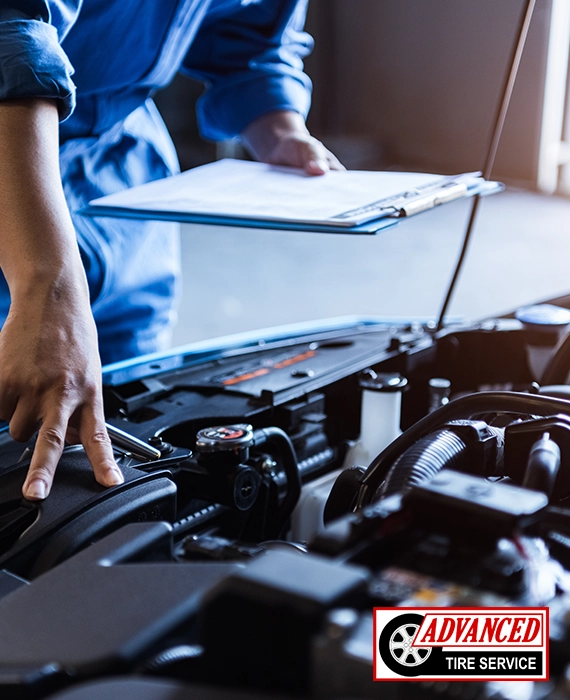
(461, 644)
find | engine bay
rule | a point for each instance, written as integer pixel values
(276, 492)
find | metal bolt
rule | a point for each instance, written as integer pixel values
(302, 373)
(269, 466)
(160, 444)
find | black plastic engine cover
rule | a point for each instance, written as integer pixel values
(36, 535)
(99, 612)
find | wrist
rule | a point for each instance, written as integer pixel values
(53, 282)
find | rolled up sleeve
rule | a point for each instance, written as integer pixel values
(32, 62)
(252, 63)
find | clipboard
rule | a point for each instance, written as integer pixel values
(256, 195)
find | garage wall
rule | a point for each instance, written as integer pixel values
(422, 78)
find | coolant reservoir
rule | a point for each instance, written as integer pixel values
(380, 415)
(379, 426)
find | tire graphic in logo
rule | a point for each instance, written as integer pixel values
(395, 646)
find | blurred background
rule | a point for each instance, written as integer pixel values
(413, 85)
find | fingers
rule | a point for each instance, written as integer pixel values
(97, 445)
(49, 446)
(301, 150)
(51, 441)
(317, 167)
(8, 403)
(47, 452)
(334, 162)
(318, 160)
(50, 376)
(23, 424)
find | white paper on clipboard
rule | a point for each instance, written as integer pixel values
(245, 190)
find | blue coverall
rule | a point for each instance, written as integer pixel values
(249, 54)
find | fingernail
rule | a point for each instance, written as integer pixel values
(36, 490)
(320, 165)
(114, 477)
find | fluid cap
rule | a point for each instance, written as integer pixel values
(381, 381)
(544, 317)
(232, 441)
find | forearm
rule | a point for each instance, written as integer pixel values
(37, 239)
(50, 373)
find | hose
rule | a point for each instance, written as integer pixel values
(461, 408)
(543, 466)
(283, 443)
(437, 451)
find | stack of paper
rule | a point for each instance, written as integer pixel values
(243, 193)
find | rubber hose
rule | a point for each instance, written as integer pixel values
(440, 450)
(281, 440)
(464, 407)
(543, 466)
(343, 494)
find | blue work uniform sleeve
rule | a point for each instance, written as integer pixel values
(32, 62)
(252, 63)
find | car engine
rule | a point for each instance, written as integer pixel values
(277, 490)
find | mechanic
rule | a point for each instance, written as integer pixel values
(249, 54)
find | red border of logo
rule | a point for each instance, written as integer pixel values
(462, 679)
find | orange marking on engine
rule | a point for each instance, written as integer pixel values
(245, 377)
(293, 360)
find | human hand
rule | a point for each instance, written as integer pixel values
(281, 138)
(50, 373)
(304, 151)
(50, 379)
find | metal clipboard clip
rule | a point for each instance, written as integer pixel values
(412, 204)
(415, 200)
